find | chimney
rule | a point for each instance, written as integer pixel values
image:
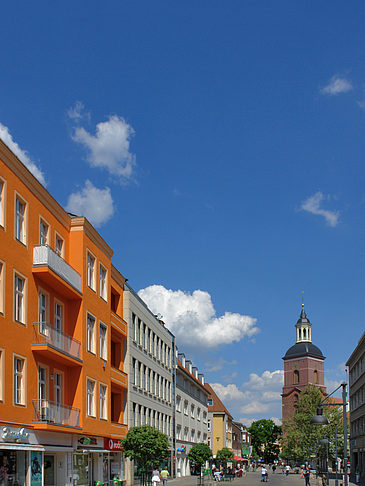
(201, 378)
(195, 372)
(189, 365)
(181, 357)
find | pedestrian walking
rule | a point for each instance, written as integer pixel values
(306, 474)
(287, 469)
(164, 475)
(263, 474)
(156, 477)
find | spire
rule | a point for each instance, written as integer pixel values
(303, 326)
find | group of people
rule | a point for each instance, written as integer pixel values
(157, 476)
(286, 471)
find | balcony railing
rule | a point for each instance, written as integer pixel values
(47, 412)
(45, 333)
(45, 256)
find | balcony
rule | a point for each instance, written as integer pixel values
(56, 345)
(57, 273)
(47, 412)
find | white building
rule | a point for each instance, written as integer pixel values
(150, 353)
(191, 412)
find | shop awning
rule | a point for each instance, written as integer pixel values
(92, 449)
(237, 458)
(21, 447)
(56, 448)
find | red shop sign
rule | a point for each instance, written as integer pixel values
(112, 444)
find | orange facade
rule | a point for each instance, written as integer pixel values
(63, 337)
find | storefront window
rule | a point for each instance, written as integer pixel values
(115, 466)
(81, 470)
(36, 468)
(13, 468)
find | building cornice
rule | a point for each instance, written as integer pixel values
(82, 224)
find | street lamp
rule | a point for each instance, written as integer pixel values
(320, 419)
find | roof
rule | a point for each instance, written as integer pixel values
(303, 349)
(218, 405)
(185, 370)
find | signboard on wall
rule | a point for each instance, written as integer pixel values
(113, 445)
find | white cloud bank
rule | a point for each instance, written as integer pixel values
(313, 205)
(109, 147)
(93, 203)
(78, 112)
(22, 155)
(336, 86)
(192, 317)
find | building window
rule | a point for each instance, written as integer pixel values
(192, 411)
(19, 380)
(20, 216)
(186, 433)
(2, 286)
(58, 318)
(208, 425)
(59, 246)
(103, 402)
(2, 353)
(192, 435)
(19, 299)
(42, 386)
(102, 282)
(296, 377)
(42, 312)
(91, 333)
(296, 398)
(315, 377)
(102, 341)
(90, 398)
(199, 436)
(2, 203)
(133, 333)
(210, 402)
(198, 414)
(185, 407)
(43, 233)
(178, 432)
(90, 271)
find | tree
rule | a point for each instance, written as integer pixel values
(265, 437)
(199, 454)
(224, 455)
(301, 439)
(146, 444)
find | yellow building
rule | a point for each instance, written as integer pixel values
(219, 423)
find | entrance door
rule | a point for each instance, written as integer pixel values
(49, 470)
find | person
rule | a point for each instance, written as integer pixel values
(164, 475)
(324, 480)
(273, 468)
(156, 477)
(217, 475)
(306, 474)
(287, 469)
(263, 473)
(4, 469)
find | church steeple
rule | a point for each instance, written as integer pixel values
(303, 327)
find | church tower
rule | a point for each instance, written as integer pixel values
(303, 365)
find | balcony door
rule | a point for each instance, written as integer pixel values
(58, 397)
(58, 322)
(42, 394)
(42, 318)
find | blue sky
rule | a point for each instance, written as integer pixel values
(219, 148)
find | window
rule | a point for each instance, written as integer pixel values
(42, 385)
(59, 246)
(42, 312)
(133, 333)
(102, 282)
(199, 436)
(208, 425)
(2, 353)
(102, 341)
(198, 414)
(192, 435)
(210, 402)
(90, 271)
(192, 411)
(58, 388)
(315, 376)
(91, 333)
(19, 380)
(178, 403)
(204, 417)
(186, 433)
(20, 215)
(2, 286)
(186, 407)
(296, 377)
(2, 203)
(43, 233)
(90, 397)
(19, 299)
(178, 432)
(58, 317)
(103, 402)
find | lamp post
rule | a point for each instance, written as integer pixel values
(325, 442)
(320, 419)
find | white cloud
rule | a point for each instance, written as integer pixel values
(192, 317)
(276, 420)
(22, 155)
(93, 203)
(313, 205)
(229, 392)
(270, 396)
(78, 112)
(337, 85)
(255, 407)
(272, 380)
(109, 147)
(218, 364)
(248, 421)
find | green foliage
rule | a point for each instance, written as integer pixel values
(301, 438)
(224, 455)
(146, 444)
(265, 438)
(200, 453)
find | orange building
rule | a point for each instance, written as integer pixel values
(63, 389)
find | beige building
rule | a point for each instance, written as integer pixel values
(219, 423)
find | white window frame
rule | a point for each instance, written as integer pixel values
(198, 413)
(2, 288)
(20, 297)
(43, 311)
(42, 384)
(103, 348)
(90, 397)
(59, 250)
(90, 269)
(103, 401)
(58, 387)
(90, 333)
(103, 282)
(19, 378)
(186, 407)
(192, 410)
(2, 202)
(44, 232)
(20, 220)
(209, 425)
